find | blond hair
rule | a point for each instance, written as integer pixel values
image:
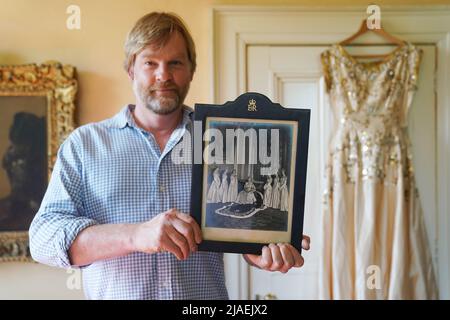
(155, 29)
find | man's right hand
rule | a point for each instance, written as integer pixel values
(170, 231)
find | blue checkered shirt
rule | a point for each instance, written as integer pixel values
(114, 172)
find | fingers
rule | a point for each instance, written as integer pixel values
(279, 257)
(266, 258)
(306, 242)
(167, 244)
(185, 230)
(288, 258)
(179, 241)
(298, 259)
(195, 227)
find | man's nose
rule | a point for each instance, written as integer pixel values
(163, 73)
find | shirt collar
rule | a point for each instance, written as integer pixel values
(125, 118)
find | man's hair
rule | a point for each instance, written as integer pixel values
(156, 28)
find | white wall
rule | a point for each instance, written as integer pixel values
(26, 280)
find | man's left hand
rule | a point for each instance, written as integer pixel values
(278, 257)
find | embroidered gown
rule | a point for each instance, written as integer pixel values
(374, 238)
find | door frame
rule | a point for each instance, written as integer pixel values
(235, 28)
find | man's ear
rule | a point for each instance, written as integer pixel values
(131, 73)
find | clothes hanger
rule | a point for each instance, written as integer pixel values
(364, 29)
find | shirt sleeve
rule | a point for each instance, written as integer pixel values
(61, 215)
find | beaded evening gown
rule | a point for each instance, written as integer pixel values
(374, 244)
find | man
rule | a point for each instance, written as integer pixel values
(116, 204)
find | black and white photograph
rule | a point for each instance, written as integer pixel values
(250, 195)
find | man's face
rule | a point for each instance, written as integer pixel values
(161, 77)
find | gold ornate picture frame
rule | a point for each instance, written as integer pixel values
(37, 106)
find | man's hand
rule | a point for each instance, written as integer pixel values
(278, 257)
(170, 231)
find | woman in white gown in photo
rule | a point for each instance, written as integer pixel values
(224, 187)
(213, 195)
(233, 188)
(276, 193)
(284, 194)
(268, 192)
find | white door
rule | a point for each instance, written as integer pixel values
(292, 76)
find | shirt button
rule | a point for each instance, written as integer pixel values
(161, 188)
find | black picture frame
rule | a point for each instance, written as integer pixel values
(246, 219)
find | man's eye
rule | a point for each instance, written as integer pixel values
(150, 63)
(176, 63)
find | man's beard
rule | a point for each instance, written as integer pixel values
(160, 104)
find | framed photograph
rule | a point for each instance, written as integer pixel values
(249, 174)
(37, 104)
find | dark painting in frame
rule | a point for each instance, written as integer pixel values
(249, 174)
(37, 106)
